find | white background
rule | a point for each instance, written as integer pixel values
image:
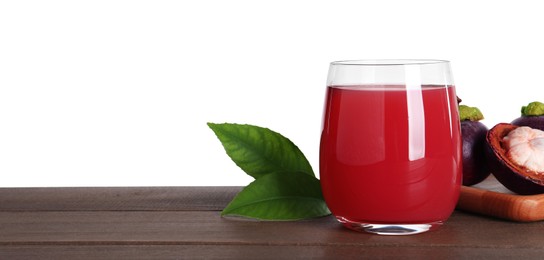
(118, 93)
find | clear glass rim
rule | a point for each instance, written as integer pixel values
(388, 62)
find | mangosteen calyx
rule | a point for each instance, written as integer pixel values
(532, 116)
(533, 109)
(470, 113)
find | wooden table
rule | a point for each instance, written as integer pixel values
(184, 223)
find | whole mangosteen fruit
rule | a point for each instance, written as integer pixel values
(473, 133)
(532, 116)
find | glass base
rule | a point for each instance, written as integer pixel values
(390, 229)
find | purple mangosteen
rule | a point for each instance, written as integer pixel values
(473, 132)
(532, 116)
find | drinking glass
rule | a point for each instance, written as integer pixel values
(390, 150)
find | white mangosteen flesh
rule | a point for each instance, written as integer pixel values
(525, 147)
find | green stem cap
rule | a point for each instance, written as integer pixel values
(470, 113)
(533, 109)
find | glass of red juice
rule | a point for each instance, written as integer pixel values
(390, 151)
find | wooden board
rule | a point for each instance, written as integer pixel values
(491, 198)
(185, 223)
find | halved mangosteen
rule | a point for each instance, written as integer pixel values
(515, 156)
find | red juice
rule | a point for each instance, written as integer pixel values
(391, 154)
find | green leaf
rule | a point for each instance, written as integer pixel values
(260, 151)
(280, 196)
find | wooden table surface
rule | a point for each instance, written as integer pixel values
(185, 223)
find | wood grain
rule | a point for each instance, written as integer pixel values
(47, 252)
(208, 228)
(492, 199)
(116, 198)
(185, 223)
(507, 206)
